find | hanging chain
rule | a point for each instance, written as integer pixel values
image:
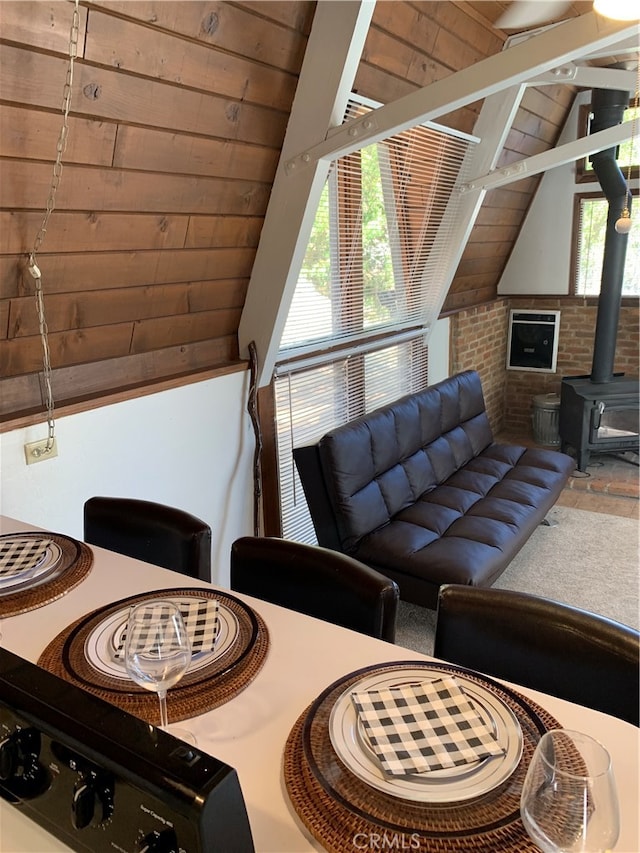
(51, 200)
(626, 213)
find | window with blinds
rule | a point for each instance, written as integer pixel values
(372, 278)
(591, 227)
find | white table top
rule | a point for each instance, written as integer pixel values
(249, 732)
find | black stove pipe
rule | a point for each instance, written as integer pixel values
(608, 106)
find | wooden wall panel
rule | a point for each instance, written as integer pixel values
(248, 32)
(24, 355)
(123, 190)
(178, 113)
(155, 151)
(163, 56)
(41, 24)
(68, 273)
(4, 319)
(82, 232)
(110, 94)
(88, 141)
(179, 109)
(105, 307)
(178, 330)
(223, 231)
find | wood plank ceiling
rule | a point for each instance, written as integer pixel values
(178, 114)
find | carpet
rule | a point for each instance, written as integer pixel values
(586, 559)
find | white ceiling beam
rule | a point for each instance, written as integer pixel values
(588, 77)
(492, 127)
(330, 64)
(559, 156)
(553, 47)
(629, 45)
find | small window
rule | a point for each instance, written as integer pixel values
(628, 152)
(590, 230)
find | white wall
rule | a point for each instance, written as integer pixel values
(541, 258)
(439, 351)
(190, 447)
(540, 262)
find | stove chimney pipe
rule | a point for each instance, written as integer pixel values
(608, 106)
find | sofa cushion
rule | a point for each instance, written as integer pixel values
(470, 527)
(383, 462)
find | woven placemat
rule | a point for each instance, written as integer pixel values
(197, 692)
(75, 564)
(344, 813)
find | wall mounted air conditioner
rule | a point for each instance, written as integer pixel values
(533, 340)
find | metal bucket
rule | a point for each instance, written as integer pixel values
(546, 418)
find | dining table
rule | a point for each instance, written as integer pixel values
(261, 727)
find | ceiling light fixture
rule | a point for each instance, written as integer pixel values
(523, 14)
(619, 10)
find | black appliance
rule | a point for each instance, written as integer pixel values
(533, 340)
(599, 418)
(102, 780)
(600, 413)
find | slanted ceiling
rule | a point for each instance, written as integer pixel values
(179, 112)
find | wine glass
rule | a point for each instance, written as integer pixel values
(569, 801)
(158, 652)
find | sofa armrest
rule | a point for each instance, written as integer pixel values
(307, 460)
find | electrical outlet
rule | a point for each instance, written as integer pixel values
(36, 451)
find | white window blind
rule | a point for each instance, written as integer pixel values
(372, 277)
(312, 401)
(381, 238)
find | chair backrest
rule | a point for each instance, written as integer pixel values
(316, 581)
(156, 533)
(542, 644)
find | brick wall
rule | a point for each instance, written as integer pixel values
(479, 341)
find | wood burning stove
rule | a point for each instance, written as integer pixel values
(600, 413)
(598, 418)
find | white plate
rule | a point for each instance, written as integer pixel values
(101, 643)
(49, 561)
(464, 782)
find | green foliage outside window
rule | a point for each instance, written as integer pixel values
(593, 225)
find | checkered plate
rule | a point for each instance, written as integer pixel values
(25, 561)
(457, 784)
(102, 643)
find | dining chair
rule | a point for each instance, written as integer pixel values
(149, 531)
(316, 581)
(542, 644)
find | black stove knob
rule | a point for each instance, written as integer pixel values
(92, 799)
(159, 842)
(9, 757)
(83, 804)
(20, 766)
(16, 749)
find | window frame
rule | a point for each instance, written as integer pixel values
(584, 175)
(576, 241)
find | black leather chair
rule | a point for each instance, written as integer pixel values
(316, 581)
(153, 532)
(542, 644)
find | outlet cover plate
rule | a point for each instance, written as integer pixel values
(36, 451)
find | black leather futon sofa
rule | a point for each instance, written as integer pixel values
(419, 490)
